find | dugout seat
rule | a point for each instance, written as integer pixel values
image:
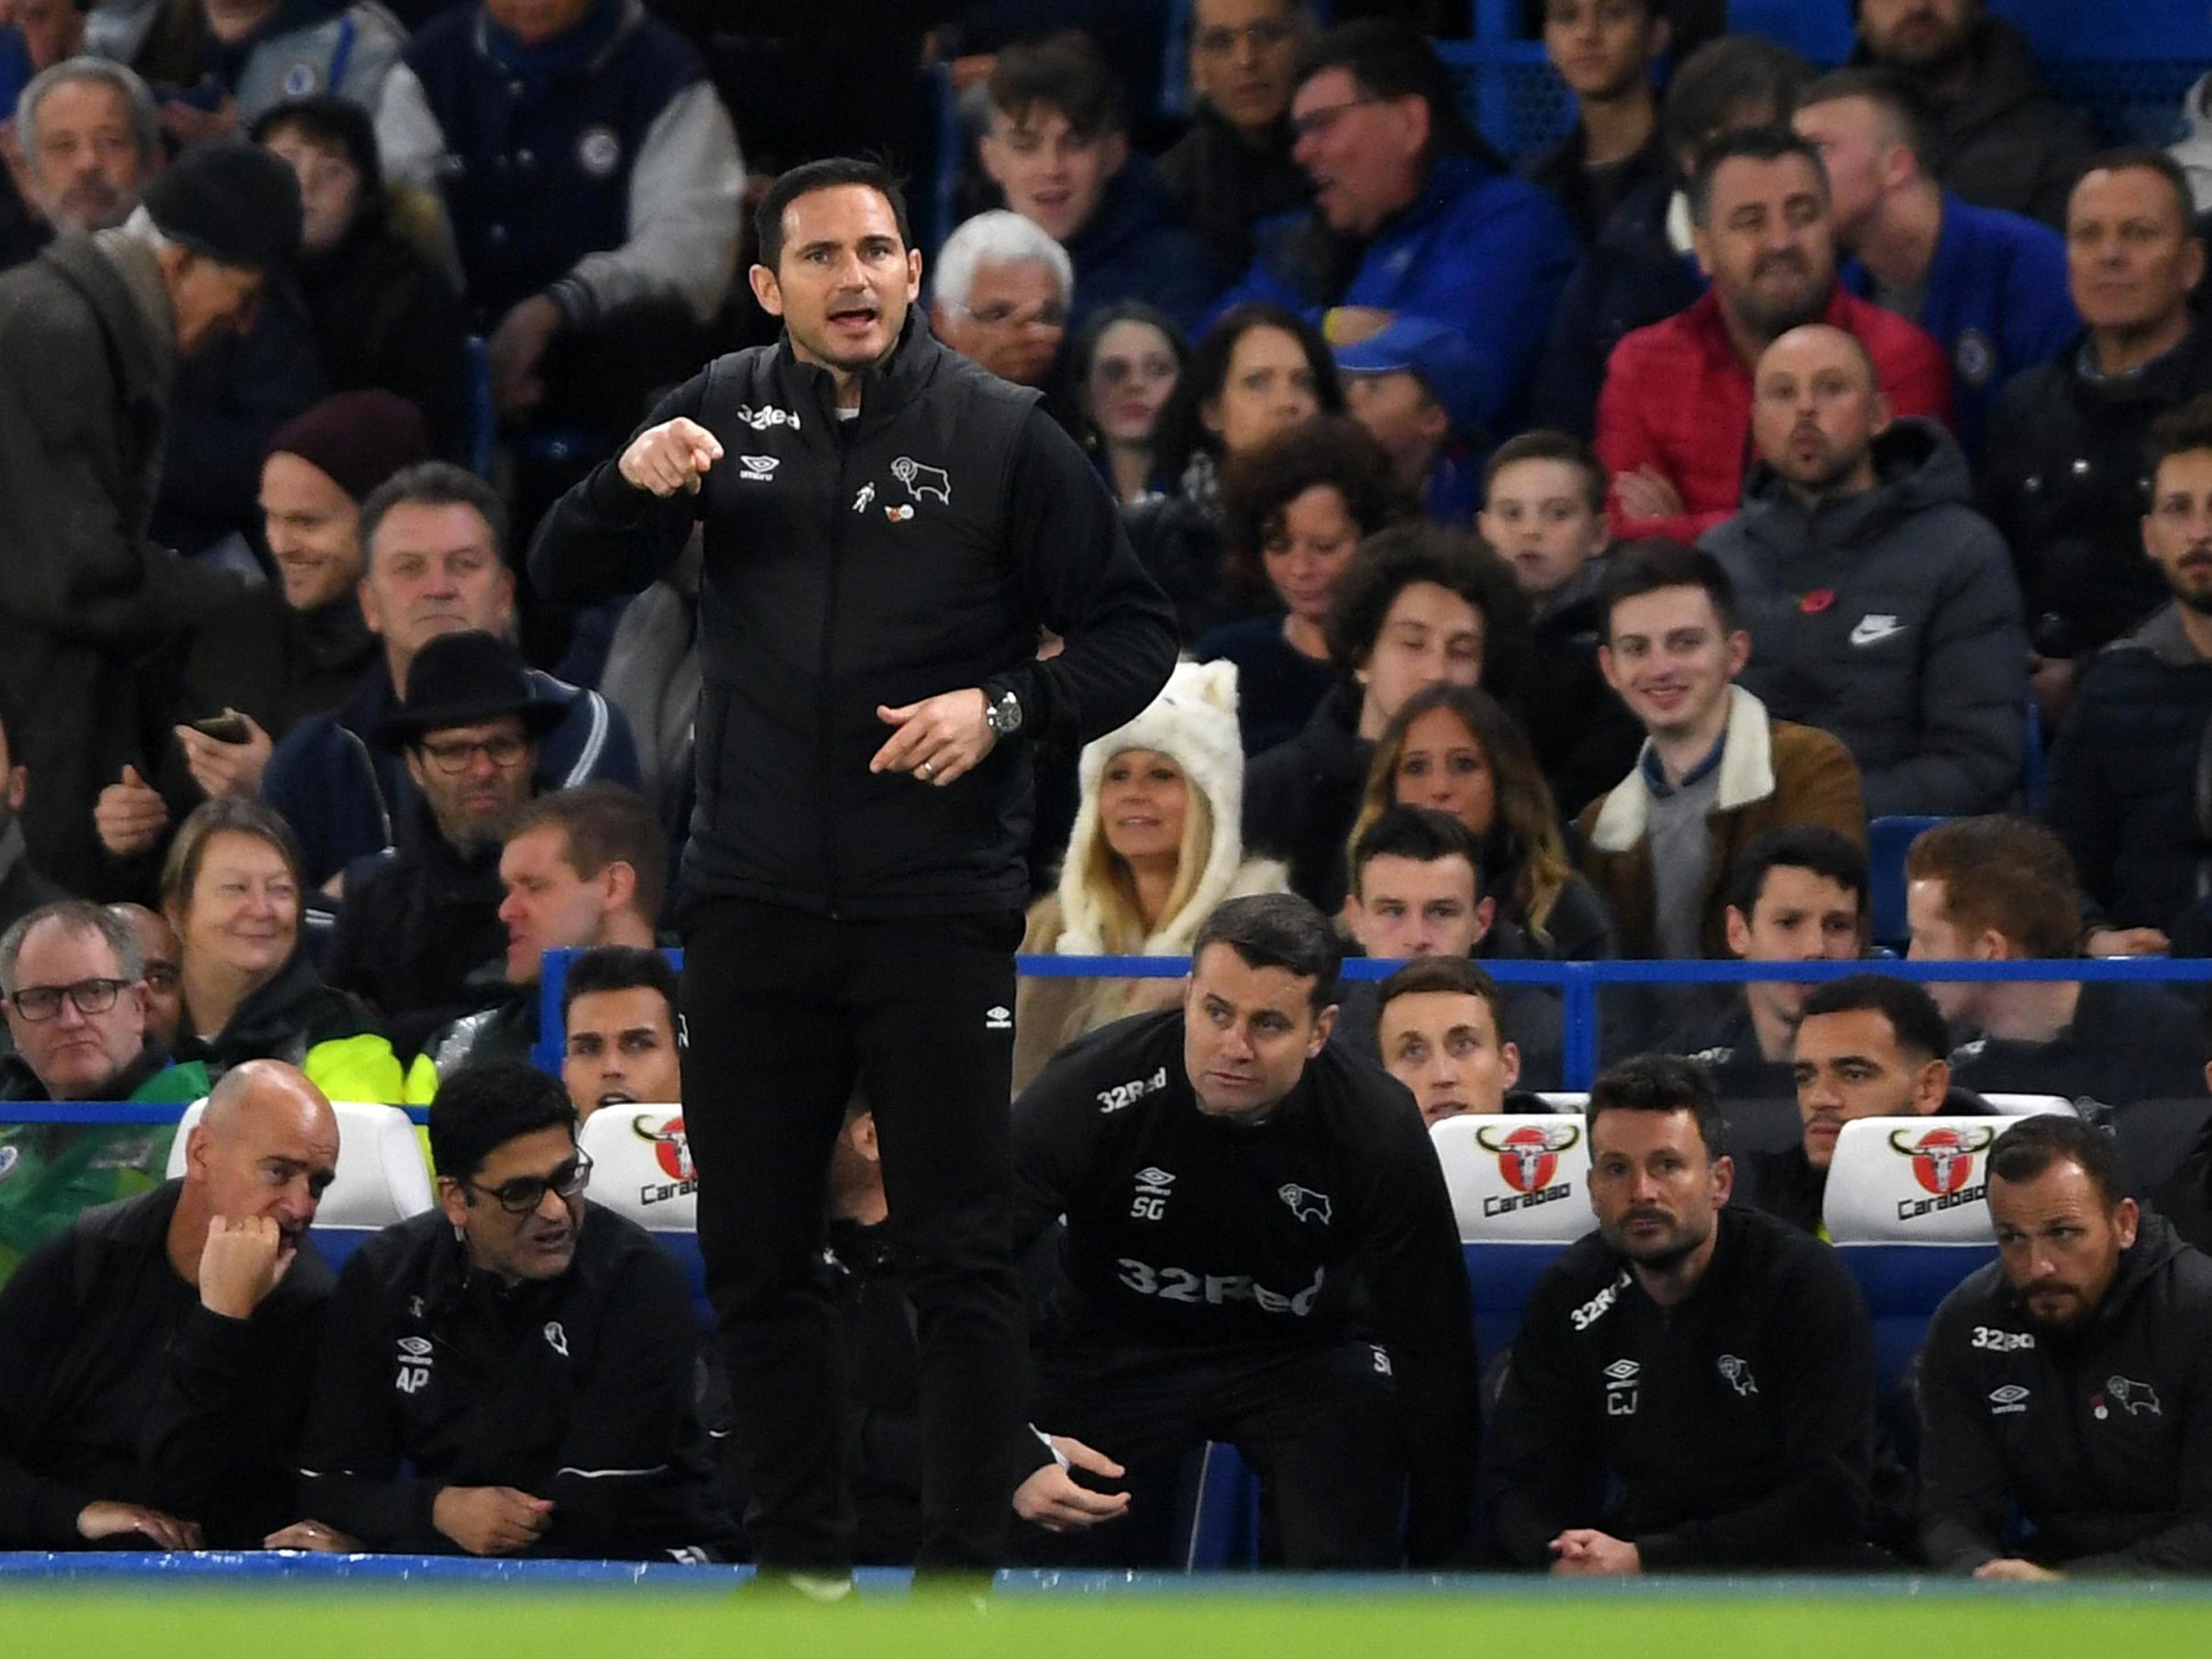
(381, 1177)
(641, 1167)
(2027, 1105)
(1908, 1207)
(1519, 1190)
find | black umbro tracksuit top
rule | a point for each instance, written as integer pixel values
(2101, 1439)
(1187, 1233)
(1735, 1429)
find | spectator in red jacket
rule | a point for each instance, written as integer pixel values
(1673, 421)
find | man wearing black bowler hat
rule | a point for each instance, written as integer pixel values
(91, 335)
(416, 924)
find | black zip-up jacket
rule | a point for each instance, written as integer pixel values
(578, 1388)
(419, 928)
(2101, 1439)
(1302, 795)
(2127, 1042)
(2131, 779)
(1733, 1430)
(116, 1384)
(2067, 480)
(1187, 1233)
(913, 551)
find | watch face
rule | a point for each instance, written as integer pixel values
(1006, 715)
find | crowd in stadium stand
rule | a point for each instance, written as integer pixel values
(1774, 525)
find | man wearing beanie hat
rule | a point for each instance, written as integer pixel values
(90, 336)
(296, 645)
(291, 647)
(227, 203)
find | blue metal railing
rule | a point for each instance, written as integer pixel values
(1578, 984)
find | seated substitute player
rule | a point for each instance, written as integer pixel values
(622, 1040)
(1867, 1047)
(1437, 1028)
(1693, 1383)
(512, 1371)
(156, 1357)
(1227, 1176)
(2070, 1381)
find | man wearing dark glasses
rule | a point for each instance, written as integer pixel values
(510, 1373)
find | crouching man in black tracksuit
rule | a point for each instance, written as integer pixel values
(2070, 1382)
(511, 1372)
(1693, 1384)
(1227, 1174)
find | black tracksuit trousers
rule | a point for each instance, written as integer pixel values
(787, 1012)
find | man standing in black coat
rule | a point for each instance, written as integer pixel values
(887, 530)
(90, 336)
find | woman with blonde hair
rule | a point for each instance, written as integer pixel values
(1456, 749)
(1155, 848)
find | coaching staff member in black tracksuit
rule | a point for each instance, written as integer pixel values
(888, 528)
(1227, 1174)
(511, 1372)
(2070, 1381)
(1692, 1385)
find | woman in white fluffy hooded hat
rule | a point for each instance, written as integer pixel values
(1157, 846)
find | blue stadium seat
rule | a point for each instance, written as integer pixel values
(1908, 1207)
(2031, 756)
(1888, 840)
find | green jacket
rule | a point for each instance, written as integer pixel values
(50, 1172)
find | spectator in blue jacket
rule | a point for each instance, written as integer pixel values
(1059, 148)
(1642, 269)
(1989, 286)
(431, 536)
(1412, 214)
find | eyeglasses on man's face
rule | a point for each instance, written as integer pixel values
(36, 1002)
(525, 1193)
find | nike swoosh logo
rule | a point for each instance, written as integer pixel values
(1872, 630)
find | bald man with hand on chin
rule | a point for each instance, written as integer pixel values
(155, 1358)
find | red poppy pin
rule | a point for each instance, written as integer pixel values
(1817, 601)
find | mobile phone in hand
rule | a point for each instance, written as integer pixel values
(223, 728)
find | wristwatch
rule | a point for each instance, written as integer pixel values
(1002, 712)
